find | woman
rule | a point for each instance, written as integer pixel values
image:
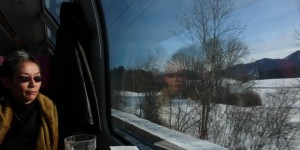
(175, 78)
(176, 103)
(28, 119)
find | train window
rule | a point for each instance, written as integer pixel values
(53, 6)
(51, 35)
(192, 73)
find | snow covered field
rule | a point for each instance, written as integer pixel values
(270, 85)
(261, 86)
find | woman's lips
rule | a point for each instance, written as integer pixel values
(31, 93)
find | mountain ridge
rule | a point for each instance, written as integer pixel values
(267, 68)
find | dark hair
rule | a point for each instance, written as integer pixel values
(9, 65)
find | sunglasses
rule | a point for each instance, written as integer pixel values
(24, 79)
(172, 75)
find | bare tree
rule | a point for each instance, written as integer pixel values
(179, 114)
(188, 58)
(119, 99)
(147, 68)
(214, 32)
(262, 127)
(118, 93)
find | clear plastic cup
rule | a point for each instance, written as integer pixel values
(80, 142)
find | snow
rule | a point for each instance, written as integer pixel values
(169, 135)
(127, 93)
(270, 85)
(276, 83)
(175, 137)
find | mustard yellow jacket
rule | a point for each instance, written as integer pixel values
(48, 134)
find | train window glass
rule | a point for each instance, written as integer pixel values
(222, 71)
(51, 36)
(53, 6)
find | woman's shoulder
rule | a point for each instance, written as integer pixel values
(44, 100)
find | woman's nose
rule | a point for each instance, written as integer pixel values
(31, 83)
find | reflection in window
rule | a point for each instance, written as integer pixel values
(220, 71)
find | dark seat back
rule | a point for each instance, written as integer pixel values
(67, 86)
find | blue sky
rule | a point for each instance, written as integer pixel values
(137, 28)
(271, 25)
(270, 28)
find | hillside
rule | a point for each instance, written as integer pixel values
(288, 67)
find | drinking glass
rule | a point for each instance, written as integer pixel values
(80, 142)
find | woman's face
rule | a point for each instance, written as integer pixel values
(26, 82)
(176, 82)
